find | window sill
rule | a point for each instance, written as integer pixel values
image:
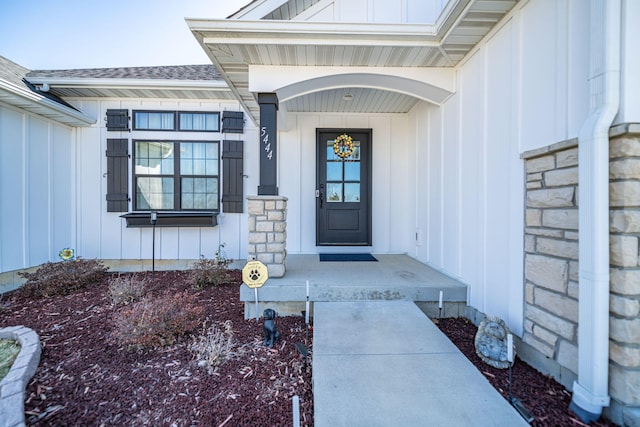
(172, 219)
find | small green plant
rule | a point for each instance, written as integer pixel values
(9, 350)
(127, 289)
(157, 321)
(215, 346)
(211, 272)
(63, 278)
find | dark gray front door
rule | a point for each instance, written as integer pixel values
(343, 187)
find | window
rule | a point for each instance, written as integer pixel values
(154, 120)
(176, 175)
(200, 122)
(188, 121)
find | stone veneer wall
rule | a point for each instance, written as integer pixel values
(551, 252)
(551, 262)
(268, 232)
(624, 227)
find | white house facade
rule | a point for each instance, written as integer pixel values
(495, 141)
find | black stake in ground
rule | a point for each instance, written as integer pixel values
(515, 402)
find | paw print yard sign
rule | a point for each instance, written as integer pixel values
(255, 274)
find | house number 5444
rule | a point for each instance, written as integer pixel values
(265, 140)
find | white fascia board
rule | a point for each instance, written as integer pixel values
(219, 31)
(130, 83)
(33, 102)
(270, 78)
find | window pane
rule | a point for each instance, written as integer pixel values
(154, 120)
(351, 192)
(154, 193)
(334, 192)
(153, 158)
(334, 171)
(331, 154)
(355, 155)
(352, 171)
(199, 193)
(199, 158)
(199, 121)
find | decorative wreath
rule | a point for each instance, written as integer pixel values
(343, 146)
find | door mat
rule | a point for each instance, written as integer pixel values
(347, 257)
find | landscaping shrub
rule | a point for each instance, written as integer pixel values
(9, 350)
(157, 321)
(215, 346)
(63, 278)
(126, 289)
(211, 272)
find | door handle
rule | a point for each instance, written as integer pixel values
(320, 195)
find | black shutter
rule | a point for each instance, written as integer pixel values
(232, 176)
(117, 175)
(232, 121)
(117, 119)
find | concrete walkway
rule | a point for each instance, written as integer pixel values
(384, 363)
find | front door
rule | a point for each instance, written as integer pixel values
(343, 187)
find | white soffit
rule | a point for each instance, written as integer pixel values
(135, 88)
(234, 45)
(42, 106)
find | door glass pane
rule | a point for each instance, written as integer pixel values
(331, 155)
(352, 192)
(352, 171)
(355, 155)
(334, 192)
(334, 171)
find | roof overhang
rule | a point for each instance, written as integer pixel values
(68, 87)
(235, 45)
(35, 103)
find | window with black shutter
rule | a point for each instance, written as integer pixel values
(232, 121)
(117, 120)
(232, 176)
(117, 175)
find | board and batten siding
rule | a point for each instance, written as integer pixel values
(104, 234)
(37, 185)
(520, 89)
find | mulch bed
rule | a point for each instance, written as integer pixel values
(546, 399)
(86, 378)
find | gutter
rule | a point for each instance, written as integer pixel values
(43, 106)
(126, 83)
(591, 390)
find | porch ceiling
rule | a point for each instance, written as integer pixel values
(234, 45)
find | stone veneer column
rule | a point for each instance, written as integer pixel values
(551, 252)
(551, 262)
(268, 232)
(624, 300)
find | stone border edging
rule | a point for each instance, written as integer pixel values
(14, 385)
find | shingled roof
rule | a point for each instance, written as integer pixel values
(172, 72)
(17, 91)
(12, 72)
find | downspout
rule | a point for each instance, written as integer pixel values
(591, 390)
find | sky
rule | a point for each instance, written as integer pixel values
(65, 34)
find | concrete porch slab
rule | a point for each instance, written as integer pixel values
(392, 277)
